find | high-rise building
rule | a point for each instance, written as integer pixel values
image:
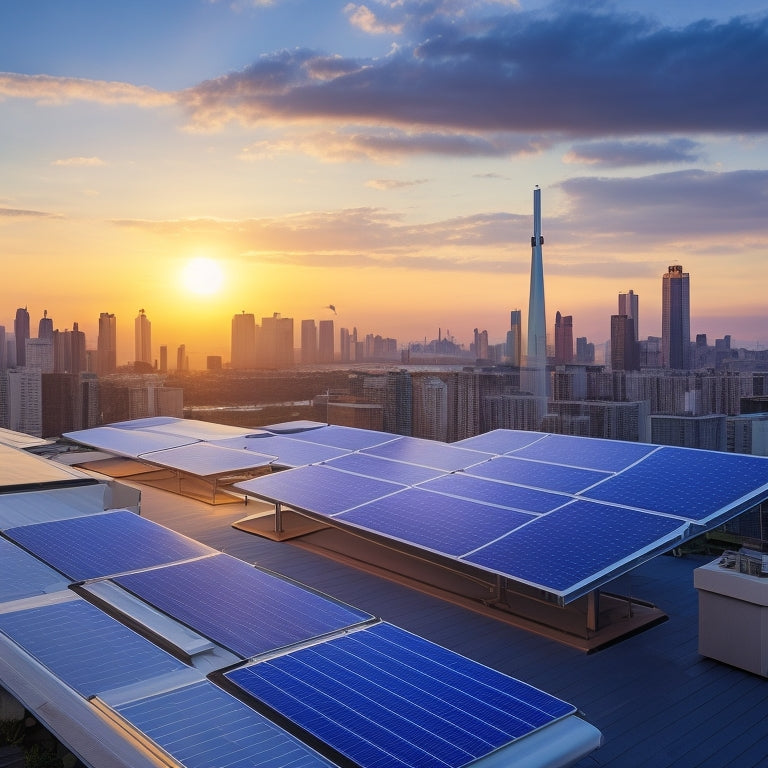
(164, 358)
(515, 338)
(243, 349)
(325, 346)
(585, 351)
(345, 345)
(21, 334)
(481, 345)
(277, 342)
(676, 319)
(624, 348)
(181, 358)
(45, 326)
(308, 342)
(106, 345)
(3, 351)
(143, 339)
(38, 354)
(563, 339)
(629, 306)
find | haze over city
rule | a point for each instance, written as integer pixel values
(380, 158)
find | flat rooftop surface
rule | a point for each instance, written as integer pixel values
(655, 699)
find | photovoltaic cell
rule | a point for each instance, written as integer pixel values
(696, 485)
(318, 489)
(102, 545)
(500, 441)
(434, 521)
(205, 459)
(586, 452)
(238, 606)
(536, 474)
(492, 492)
(574, 543)
(202, 726)
(90, 651)
(286, 451)
(384, 697)
(349, 438)
(126, 442)
(427, 453)
(22, 575)
(384, 469)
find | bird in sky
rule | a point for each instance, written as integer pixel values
(332, 308)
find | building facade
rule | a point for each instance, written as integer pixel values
(676, 319)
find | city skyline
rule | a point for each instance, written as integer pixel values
(199, 159)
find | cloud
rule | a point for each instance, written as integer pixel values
(18, 213)
(46, 89)
(388, 184)
(617, 154)
(79, 161)
(361, 17)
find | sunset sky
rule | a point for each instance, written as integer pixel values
(381, 157)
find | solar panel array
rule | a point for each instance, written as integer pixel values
(162, 684)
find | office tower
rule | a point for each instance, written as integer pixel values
(676, 319)
(325, 348)
(106, 345)
(24, 401)
(628, 305)
(345, 345)
(481, 345)
(21, 334)
(624, 348)
(585, 351)
(308, 342)
(143, 339)
(3, 349)
(62, 351)
(277, 342)
(181, 358)
(243, 348)
(537, 320)
(38, 354)
(45, 326)
(430, 408)
(164, 358)
(515, 338)
(79, 359)
(563, 339)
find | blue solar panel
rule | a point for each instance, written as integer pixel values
(500, 441)
(536, 474)
(22, 575)
(90, 651)
(696, 485)
(318, 489)
(102, 545)
(428, 453)
(238, 606)
(384, 697)
(493, 492)
(586, 452)
(201, 726)
(435, 521)
(287, 451)
(384, 469)
(543, 553)
(348, 438)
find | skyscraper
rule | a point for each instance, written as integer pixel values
(277, 342)
(21, 334)
(308, 342)
(106, 345)
(537, 319)
(515, 338)
(243, 349)
(143, 338)
(563, 339)
(629, 306)
(45, 326)
(676, 319)
(624, 348)
(325, 346)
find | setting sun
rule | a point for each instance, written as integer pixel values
(202, 276)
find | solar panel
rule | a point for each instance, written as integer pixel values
(204, 459)
(349, 438)
(102, 545)
(22, 575)
(285, 451)
(384, 469)
(536, 474)
(544, 552)
(434, 521)
(318, 489)
(201, 726)
(491, 492)
(238, 606)
(198, 430)
(90, 651)
(587, 452)
(500, 441)
(427, 453)
(696, 485)
(55, 504)
(382, 696)
(126, 442)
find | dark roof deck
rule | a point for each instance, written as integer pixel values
(655, 699)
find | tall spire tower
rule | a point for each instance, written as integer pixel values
(537, 320)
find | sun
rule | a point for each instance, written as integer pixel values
(202, 276)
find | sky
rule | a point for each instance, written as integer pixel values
(200, 158)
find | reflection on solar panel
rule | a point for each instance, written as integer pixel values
(500, 441)
(102, 545)
(38, 506)
(201, 726)
(543, 553)
(348, 438)
(318, 489)
(382, 696)
(384, 469)
(286, 452)
(428, 453)
(506, 495)
(126, 442)
(434, 521)
(696, 485)
(607, 455)
(536, 474)
(197, 430)
(240, 607)
(204, 459)
(22, 575)
(88, 650)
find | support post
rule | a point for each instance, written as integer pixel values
(278, 518)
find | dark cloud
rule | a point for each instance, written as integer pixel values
(617, 154)
(568, 70)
